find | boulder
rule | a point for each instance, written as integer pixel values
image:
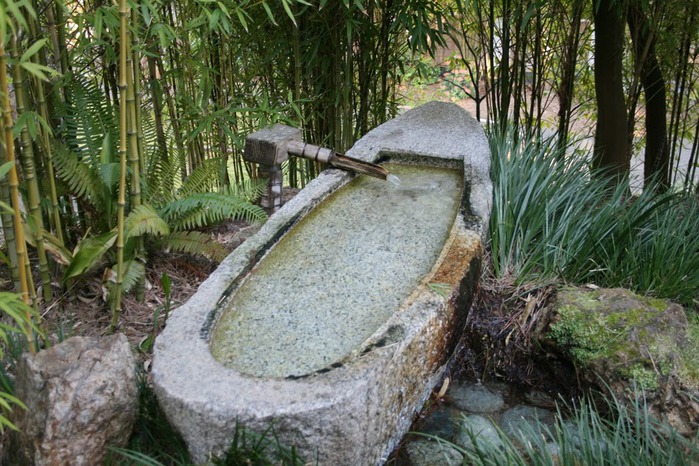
(633, 346)
(81, 397)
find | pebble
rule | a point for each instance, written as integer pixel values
(479, 411)
(439, 423)
(477, 427)
(424, 452)
(476, 398)
(526, 420)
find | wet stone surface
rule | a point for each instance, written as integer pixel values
(473, 413)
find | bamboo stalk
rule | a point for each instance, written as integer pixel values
(123, 141)
(30, 176)
(7, 219)
(135, 137)
(13, 180)
(45, 136)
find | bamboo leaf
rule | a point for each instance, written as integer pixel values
(269, 13)
(41, 72)
(289, 13)
(33, 49)
(5, 169)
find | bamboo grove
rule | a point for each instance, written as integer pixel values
(123, 122)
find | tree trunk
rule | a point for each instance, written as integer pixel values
(657, 154)
(611, 145)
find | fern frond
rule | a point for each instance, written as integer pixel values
(194, 242)
(134, 271)
(88, 119)
(161, 167)
(203, 179)
(79, 176)
(159, 180)
(249, 190)
(143, 219)
(204, 209)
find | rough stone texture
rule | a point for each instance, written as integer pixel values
(357, 411)
(478, 428)
(439, 423)
(617, 338)
(526, 421)
(476, 398)
(433, 453)
(447, 132)
(81, 397)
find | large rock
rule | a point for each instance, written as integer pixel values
(81, 397)
(617, 339)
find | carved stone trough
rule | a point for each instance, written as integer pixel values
(342, 377)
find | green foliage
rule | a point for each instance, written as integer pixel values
(201, 180)
(194, 242)
(249, 190)
(202, 209)
(551, 219)
(144, 220)
(249, 448)
(662, 256)
(20, 321)
(629, 435)
(153, 441)
(89, 252)
(78, 175)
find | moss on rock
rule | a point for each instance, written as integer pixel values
(617, 338)
(631, 335)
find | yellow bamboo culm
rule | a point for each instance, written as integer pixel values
(6, 125)
(123, 141)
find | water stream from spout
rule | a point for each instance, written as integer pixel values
(393, 179)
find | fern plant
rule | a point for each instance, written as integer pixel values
(86, 161)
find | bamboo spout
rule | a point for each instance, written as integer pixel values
(335, 160)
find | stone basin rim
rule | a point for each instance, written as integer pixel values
(383, 156)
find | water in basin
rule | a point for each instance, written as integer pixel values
(335, 277)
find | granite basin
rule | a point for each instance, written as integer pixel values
(351, 403)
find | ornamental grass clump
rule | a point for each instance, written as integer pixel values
(553, 218)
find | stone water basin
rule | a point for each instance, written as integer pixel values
(333, 324)
(338, 274)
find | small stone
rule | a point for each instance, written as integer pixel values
(540, 399)
(476, 398)
(439, 424)
(81, 397)
(432, 453)
(555, 452)
(527, 421)
(479, 428)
